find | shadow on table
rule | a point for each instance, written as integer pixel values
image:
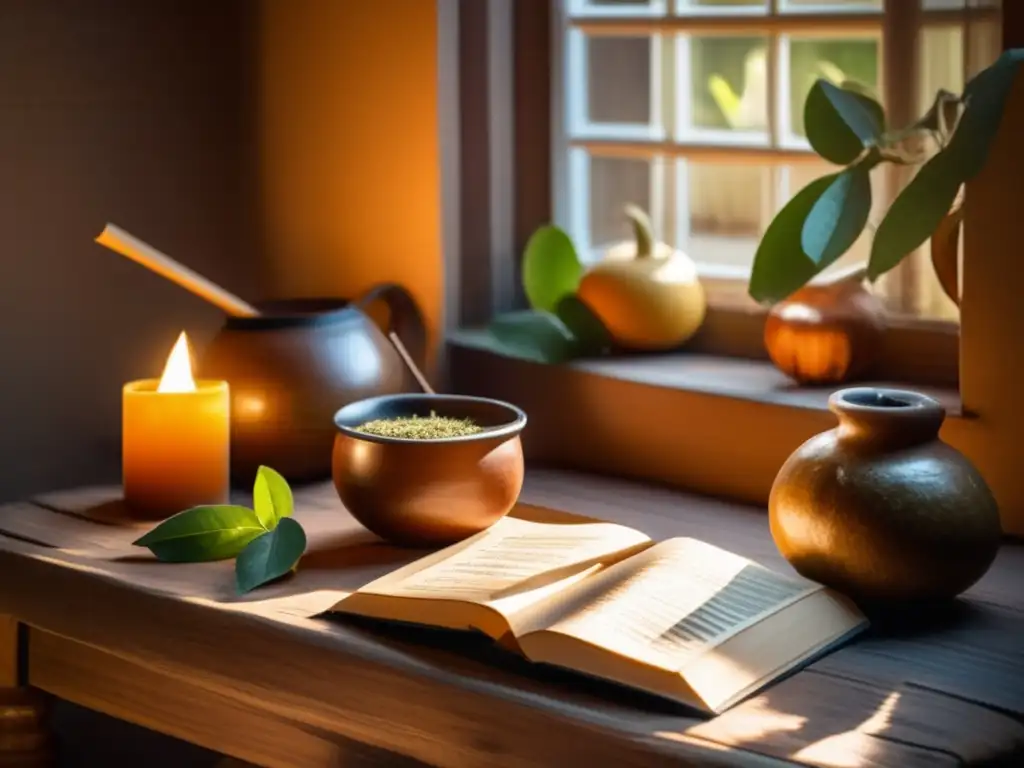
(334, 564)
(357, 549)
(469, 650)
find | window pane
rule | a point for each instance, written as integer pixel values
(835, 60)
(942, 64)
(681, 5)
(616, 7)
(728, 84)
(725, 210)
(613, 183)
(832, 5)
(984, 44)
(943, 5)
(619, 79)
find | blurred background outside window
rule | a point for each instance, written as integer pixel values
(693, 109)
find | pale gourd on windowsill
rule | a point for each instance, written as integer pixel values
(642, 296)
(646, 293)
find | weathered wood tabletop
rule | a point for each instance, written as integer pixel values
(265, 678)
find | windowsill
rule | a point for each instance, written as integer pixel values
(754, 380)
(718, 426)
(741, 379)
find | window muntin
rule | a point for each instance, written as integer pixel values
(693, 109)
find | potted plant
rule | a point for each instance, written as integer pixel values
(846, 126)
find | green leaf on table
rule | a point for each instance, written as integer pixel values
(271, 497)
(916, 212)
(838, 216)
(200, 534)
(551, 268)
(270, 556)
(591, 337)
(780, 264)
(840, 123)
(535, 335)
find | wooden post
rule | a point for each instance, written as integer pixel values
(901, 41)
(1013, 25)
(24, 738)
(992, 314)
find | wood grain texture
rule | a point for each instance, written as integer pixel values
(108, 684)
(25, 740)
(938, 688)
(440, 705)
(851, 721)
(8, 651)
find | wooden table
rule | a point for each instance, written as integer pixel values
(264, 679)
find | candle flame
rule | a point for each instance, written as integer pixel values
(178, 371)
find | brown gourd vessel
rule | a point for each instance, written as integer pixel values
(294, 365)
(827, 332)
(429, 492)
(882, 509)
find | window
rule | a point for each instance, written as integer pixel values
(576, 410)
(693, 109)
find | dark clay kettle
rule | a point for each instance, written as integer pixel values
(292, 367)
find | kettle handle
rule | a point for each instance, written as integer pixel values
(406, 319)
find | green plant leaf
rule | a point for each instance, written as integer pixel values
(780, 264)
(985, 97)
(839, 123)
(199, 534)
(535, 335)
(592, 338)
(551, 268)
(838, 216)
(916, 212)
(270, 556)
(271, 497)
(868, 99)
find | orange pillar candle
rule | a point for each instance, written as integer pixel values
(175, 440)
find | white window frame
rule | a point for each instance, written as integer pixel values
(574, 139)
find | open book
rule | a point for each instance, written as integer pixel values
(680, 618)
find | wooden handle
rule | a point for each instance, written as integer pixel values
(410, 364)
(119, 241)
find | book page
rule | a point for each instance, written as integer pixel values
(673, 602)
(513, 563)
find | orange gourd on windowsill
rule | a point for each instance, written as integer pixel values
(827, 332)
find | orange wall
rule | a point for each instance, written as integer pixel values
(351, 187)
